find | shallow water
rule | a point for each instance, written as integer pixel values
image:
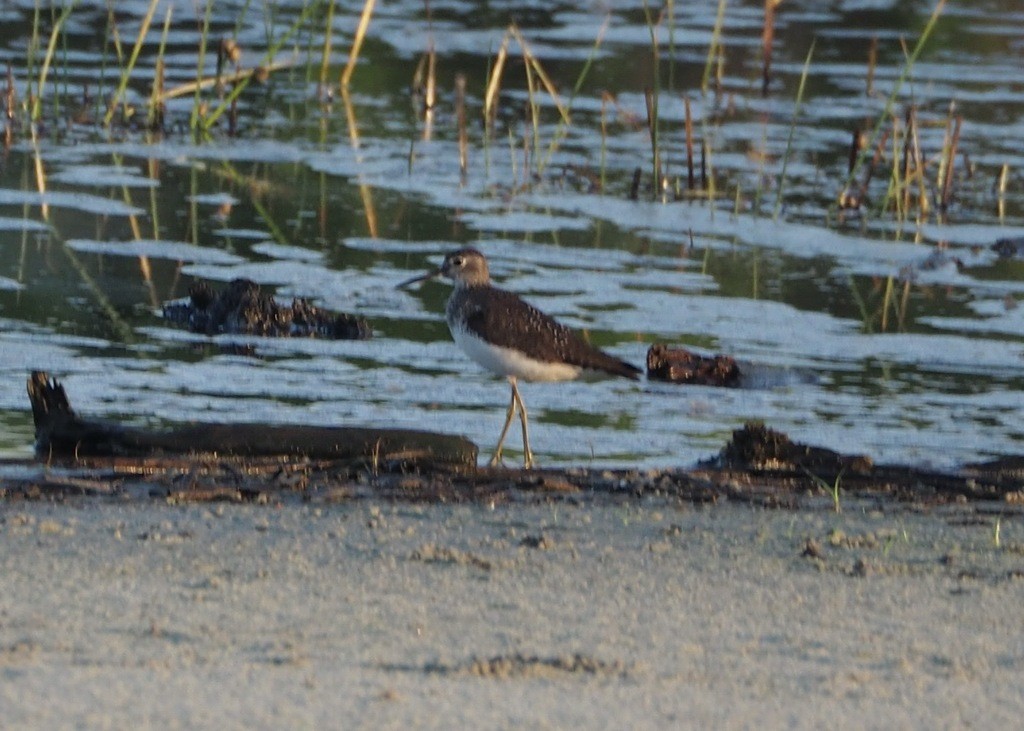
(858, 331)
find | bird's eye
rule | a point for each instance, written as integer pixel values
(458, 261)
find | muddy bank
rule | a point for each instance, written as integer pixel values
(638, 613)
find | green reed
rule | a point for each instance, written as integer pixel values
(126, 72)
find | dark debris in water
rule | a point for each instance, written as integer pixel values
(679, 365)
(1009, 248)
(242, 308)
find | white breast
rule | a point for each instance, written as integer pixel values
(510, 362)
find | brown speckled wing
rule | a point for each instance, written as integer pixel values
(512, 323)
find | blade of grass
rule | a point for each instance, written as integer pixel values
(48, 58)
(197, 101)
(328, 36)
(155, 111)
(127, 70)
(792, 127)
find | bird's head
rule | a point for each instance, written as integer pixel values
(465, 267)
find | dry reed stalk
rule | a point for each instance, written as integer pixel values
(325, 59)
(901, 314)
(922, 192)
(856, 144)
(896, 180)
(430, 92)
(870, 171)
(10, 100)
(157, 111)
(846, 198)
(652, 127)
(153, 168)
(460, 114)
(357, 42)
(426, 68)
(689, 145)
(430, 97)
(418, 84)
(869, 88)
(709, 185)
(532, 61)
(260, 73)
(605, 98)
(228, 50)
(887, 300)
(767, 37)
(115, 35)
(909, 123)
(715, 50)
(1004, 174)
(147, 277)
(703, 166)
(947, 181)
(494, 83)
(533, 110)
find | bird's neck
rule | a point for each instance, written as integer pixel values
(476, 284)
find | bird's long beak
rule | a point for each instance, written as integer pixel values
(421, 278)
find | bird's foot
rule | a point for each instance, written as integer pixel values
(528, 461)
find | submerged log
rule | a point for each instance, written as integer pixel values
(678, 365)
(61, 433)
(242, 308)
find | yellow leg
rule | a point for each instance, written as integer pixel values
(527, 452)
(496, 459)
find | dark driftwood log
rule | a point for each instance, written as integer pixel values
(62, 433)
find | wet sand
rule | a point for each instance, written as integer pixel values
(606, 614)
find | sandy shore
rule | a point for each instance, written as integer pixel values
(607, 614)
